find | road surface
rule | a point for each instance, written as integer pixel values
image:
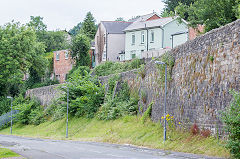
(34, 148)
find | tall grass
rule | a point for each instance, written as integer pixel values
(125, 130)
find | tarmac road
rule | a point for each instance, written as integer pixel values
(34, 148)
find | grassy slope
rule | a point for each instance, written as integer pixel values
(4, 153)
(128, 130)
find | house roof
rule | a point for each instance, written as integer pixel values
(146, 17)
(115, 27)
(137, 25)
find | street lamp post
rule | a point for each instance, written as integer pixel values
(9, 97)
(165, 99)
(67, 110)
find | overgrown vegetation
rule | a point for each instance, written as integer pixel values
(30, 111)
(109, 67)
(231, 118)
(86, 93)
(169, 60)
(118, 101)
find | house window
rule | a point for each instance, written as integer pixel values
(152, 36)
(66, 55)
(58, 77)
(133, 39)
(57, 56)
(133, 54)
(142, 37)
(104, 55)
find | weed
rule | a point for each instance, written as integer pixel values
(205, 133)
(194, 129)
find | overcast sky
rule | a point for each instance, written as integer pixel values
(64, 14)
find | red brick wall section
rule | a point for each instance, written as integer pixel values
(194, 32)
(62, 66)
(153, 17)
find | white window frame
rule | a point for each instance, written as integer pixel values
(104, 54)
(57, 56)
(133, 39)
(66, 55)
(142, 37)
(152, 36)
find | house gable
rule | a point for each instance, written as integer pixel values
(154, 17)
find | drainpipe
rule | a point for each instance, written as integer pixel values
(147, 36)
(162, 36)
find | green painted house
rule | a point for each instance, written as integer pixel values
(151, 32)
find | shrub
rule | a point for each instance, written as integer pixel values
(86, 94)
(36, 116)
(30, 111)
(108, 67)
(78, 70)
(231, 119)
(194, 129)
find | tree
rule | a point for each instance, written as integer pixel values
(39, 26)
(120, 19)
(80, 50)
(18, 48)
(55, 40)
(165, 13)
(88, 26)
(170, 5)
(74, 31)
(211, 13)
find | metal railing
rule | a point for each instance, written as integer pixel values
(6, 118)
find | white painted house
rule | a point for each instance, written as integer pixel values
(151, 32)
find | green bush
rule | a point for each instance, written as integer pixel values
(30, 111)
(36, 116)
(78, 70)
(108, 67)
(86, 94)
(231, 119)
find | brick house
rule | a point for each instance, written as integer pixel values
(62, 64)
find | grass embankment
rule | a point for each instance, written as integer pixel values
(126, 130)
(4, 153)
